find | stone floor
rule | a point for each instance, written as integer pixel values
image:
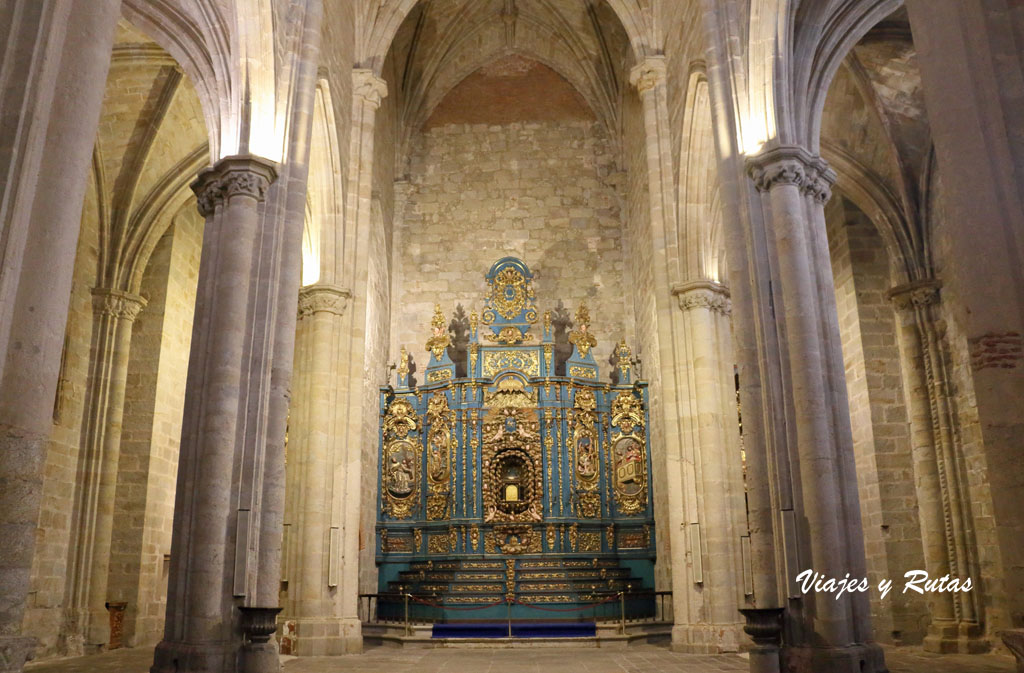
(638, 659)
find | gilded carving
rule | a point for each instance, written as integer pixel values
(439, 375)
(417, 539)
(590, 541)
(578, 372)
(400, 475)
(510, 336)
(573, 537)
(511, 294)
(552, 536)
(439, 341)
(440, 448)
(474, 537)
(581, 337)
(629, 477)
(525, 361)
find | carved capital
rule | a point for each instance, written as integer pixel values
(369, 87)
(648, 73)
(322, 298)
(795, 166)
(117, 303)
(706, 294)
(917, 294)
(242, 175)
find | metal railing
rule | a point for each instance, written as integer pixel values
(606, 606)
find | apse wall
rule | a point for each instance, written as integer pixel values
(523, 177)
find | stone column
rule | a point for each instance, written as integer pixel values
(60, 53)
(972, 75)
(938, 466)
(664, 362)
(717, 518)
(214, 542)
(87, 626)
(313, 609)
(823, 532)
(322, 609)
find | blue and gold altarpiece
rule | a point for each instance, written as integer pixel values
(516, 460)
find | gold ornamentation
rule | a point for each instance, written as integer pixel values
(510, 294)
(474, 355)
(439, 375)
(474, 321)
(481, 588)
(483, 565)
(550, 598)
(474, 538)
(400, 475)
(510, 393)
(525, 361)
(438, 543)
(629, 454)
(403, 363)
(512, 540)
(578, 372)
(633, 540)
(590, 541)
(440, 449)
(469, 599)
(547, 322)
(439, 342)
(546, 586)
(510, 336)
(585, 454)
(580, 337)
(549, 350)
(510, 578)
(552, 535)
(573, 537)
(610, 536)
(625, 358)
(588, 505)
(417, 539)
(395, 544)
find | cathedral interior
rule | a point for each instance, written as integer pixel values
(597, 319)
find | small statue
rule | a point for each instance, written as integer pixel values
(439, 342)
(580, 337)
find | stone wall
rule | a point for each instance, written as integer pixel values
(878, 415)
(151, 435)
(536, 190)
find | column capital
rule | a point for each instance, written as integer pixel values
(322, 298)
(116, 303)
(916, 294)
(792, 165)
(705, 294)
(648, 73)
(239, 175)
(368, 86)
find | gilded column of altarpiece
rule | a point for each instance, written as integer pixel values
(515, 459)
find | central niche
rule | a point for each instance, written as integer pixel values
(512, 488)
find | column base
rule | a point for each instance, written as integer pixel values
(867, 658)
(170, 657)
(322, 637)
(15, 651)
(952, 637)
(707, 638)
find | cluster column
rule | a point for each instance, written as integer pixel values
(57, 55)
(820, 526)
(87, 627)
(938, 466)
(216, 544)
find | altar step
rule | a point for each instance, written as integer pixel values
(606, 635)
(517, 629)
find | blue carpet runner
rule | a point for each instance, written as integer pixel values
(526, 630)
